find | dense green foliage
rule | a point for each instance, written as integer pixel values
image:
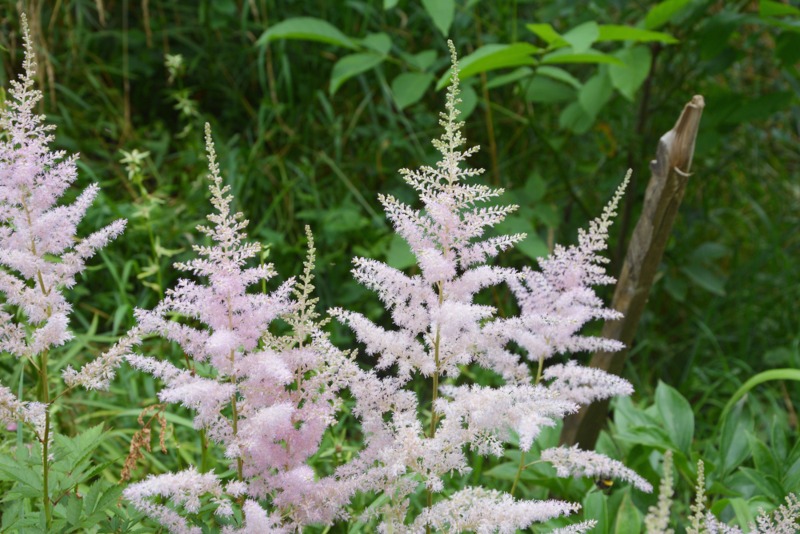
(314, 117)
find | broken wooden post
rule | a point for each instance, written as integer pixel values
(670, 173)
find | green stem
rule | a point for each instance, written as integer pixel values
(435, 395)
(45, 399)
(522, 453)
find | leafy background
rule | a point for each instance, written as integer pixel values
(315, 105)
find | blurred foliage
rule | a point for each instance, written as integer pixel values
(315, 107)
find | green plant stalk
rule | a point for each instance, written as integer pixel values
(760, 378)
(44, 397)
(521, 467)
(435, 395)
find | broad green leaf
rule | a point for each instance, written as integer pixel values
(575, 118)
(763, 457)
(399, 254)
(581, 37)
(595, 93)
(566, 55)
(352, 65)
(504, 471)
(677, 416)
(389, 4)
(409, 87)
(422, 60)
(533, 246)
(595, 506)
(516, 75)
(616, 32)
(742, 511)
(546, 90)
(559, 74)
(710, 250)
(733, 446)
(307, 29)
(469, 99)
(379, 42)
(491, 57)
(628, 78)
(768, 486)
(629, 519)
(547, 34)
(442, 13)
(766, 8)
(663, 12)
(704, 277)
(535, 188)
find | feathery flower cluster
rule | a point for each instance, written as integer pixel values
(40, 256)
(785, 519)
(440, 329)
(268, 398)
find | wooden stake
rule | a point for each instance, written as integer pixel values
(670, 173)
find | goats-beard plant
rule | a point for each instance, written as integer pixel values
(266, 399)
(40, 256)
(412, 444)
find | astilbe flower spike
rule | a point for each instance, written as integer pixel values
(440, 329)
(40, 255)
(267, 400)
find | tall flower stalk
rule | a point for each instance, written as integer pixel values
(441, 329)
(40, 256)
(265, 398)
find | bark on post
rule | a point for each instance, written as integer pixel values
(670, 173)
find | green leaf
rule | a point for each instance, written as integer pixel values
(559, 74)
(422, 60)
(574, 118)
(307, 29)
(28, 480)
(566, 55)
(442, 13)
(763, 457)
(595, 93)
(535, 188)
(733, 446)
(663, 12)
(409, 87)
(547, 34)
(581, 37)
(595, 505)
(546, 90)
(703, 277)
(352, 65)
(533, 246)
(504, 471)
(70, 453)
(399, 254)
(514, 76)
(629, 519)
(378, 42)
(677, 415)
(469, 99)
(492, 57)
(616, 32)
(766, 8)
(742, 511)
(628, 78)
(760, 378)
(389, 4)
